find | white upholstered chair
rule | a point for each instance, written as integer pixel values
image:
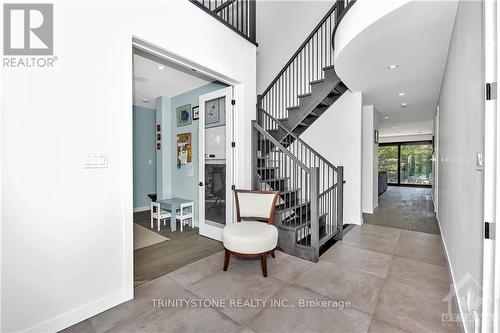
(253, 235)
(159, 214)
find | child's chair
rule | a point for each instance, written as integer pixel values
(159, 214)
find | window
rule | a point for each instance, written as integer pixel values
(407, 163)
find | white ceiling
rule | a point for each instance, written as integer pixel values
(151, 82)
(416, 37)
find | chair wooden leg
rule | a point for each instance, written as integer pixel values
(272, 254)
(263, 261)
(226, 260)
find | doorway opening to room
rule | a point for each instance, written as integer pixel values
(183, 169)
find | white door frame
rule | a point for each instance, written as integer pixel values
(491, 252)
(214, 230)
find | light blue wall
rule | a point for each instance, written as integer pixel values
(185, 186)
(144, 152)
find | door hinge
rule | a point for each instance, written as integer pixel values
(491, 91)
(233, 187)
(233, 102)
(233, 144)
(489, 230)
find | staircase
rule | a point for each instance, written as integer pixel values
(309, 215)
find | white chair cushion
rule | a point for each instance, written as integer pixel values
(250, 237)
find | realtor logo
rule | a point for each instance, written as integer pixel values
(28, 29)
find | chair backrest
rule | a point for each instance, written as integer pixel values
(155, 207)
(255, 205)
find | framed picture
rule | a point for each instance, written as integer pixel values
(184, 115)
(196, 112)
(212, 112)
(375, 136)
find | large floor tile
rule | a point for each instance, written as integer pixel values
(370, 241)
(189, 320)
(340, 283)
(284, 267)
(421, 246)
(410, 308)
(296, 319)
(367, 261)
(378, 231)
(237, 284)
(378, 326)
(420, 275)
(199, 270)
(82, 327)
(162, 287)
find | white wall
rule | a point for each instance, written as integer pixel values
(406, 138)
(282, 26)
(461, 136)
(67, 231)
(337, 136)
(369, 184)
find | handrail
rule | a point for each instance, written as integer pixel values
(297, 138)
(341, 16)
(281, 148)
(224, 5)
(247, 33)
(306, 41)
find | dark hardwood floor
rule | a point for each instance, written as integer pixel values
(182, 249)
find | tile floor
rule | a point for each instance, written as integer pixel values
(409, 208)
(395, 280)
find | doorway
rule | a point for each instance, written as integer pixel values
(172, 136)
(407, 163)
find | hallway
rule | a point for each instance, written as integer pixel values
(408, 208)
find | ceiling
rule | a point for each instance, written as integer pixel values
(150, 81)
(416, 37)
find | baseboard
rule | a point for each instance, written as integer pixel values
(463, 326)
(86, 311)
(141, 209)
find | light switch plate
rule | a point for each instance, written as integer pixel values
(479, 161)
(96, 161)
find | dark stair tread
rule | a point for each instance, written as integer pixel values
(317, 81)
(290, 225)
(267, 167)
(304, 95)
(282, 208)
(328, 67)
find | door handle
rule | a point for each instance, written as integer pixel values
(200, 183)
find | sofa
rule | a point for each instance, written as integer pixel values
(382, 181)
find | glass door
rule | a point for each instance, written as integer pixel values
(407, 163)
(215, 158)
(416, 164)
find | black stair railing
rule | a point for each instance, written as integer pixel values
(305, 66)
(238, 15)
(312, 188)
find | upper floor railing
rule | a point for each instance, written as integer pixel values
(237, 15)
(305, 66)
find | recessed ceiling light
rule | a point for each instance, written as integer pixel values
(403, 105)
(386, 117)
(394, 127)
(401, 94)
(393, 66)
(145, 100)
(161, 67)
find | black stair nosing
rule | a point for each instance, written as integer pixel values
(285, 192)
(274, 179)
(328, 67)
(317, 81)
(298, 205)
(267, 167)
